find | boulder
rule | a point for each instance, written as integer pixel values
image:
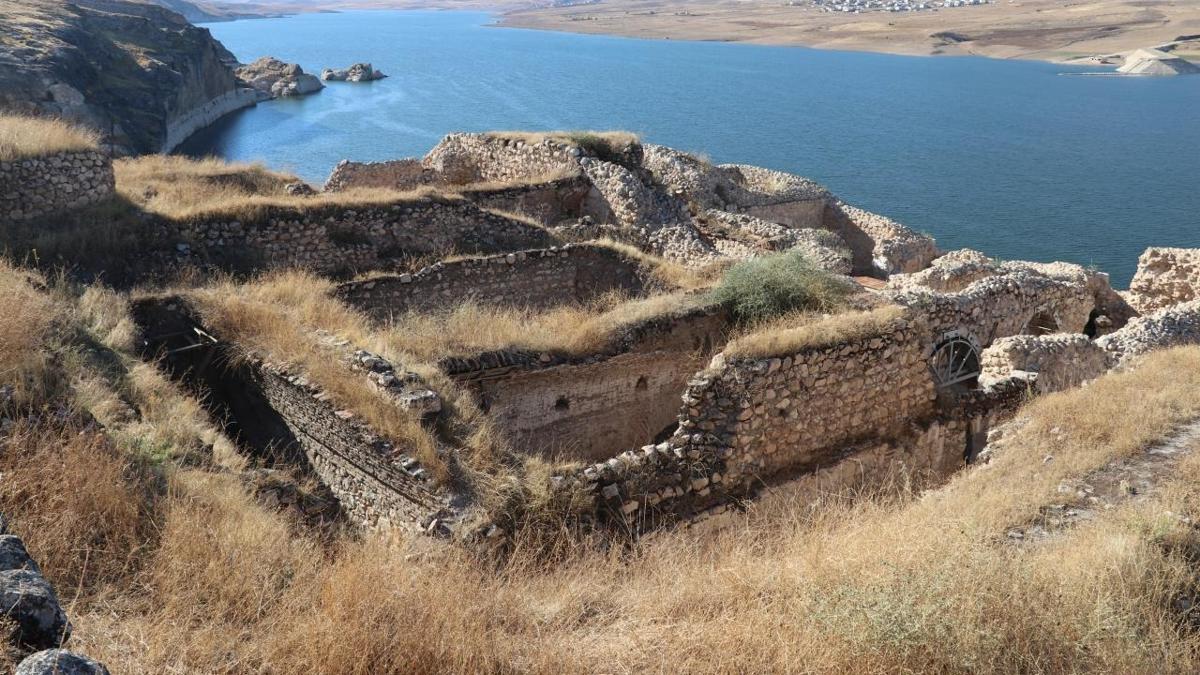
(59, 662)
(275, 78)
(359, 72)
(27, 600)
(13, 555)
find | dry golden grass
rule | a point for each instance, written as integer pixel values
(24, 137)
(181, 187)
(904, 583)
(468, 328)
(613, 141)
(804, 330)
(30, 316)
(668, 273)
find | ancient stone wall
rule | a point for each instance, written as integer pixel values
(830, 418)
(1061, 361)
(377, 485)
(1019, 302)
(591, 408)
(538, 279)
(1165, 277)
(472, 158)
(1169, 327)
(40, 186)
(340, 238)
(881, 246)
(550, 202)
(399, 174)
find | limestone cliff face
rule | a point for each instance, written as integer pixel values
(141, 74)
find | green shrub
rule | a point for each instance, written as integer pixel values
(763, 288)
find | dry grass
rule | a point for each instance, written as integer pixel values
(606, 141)
(24, 137)
(30, 317)
(893, 584)
(669, 273)
(180, 187)
(804, 330)
(468, 328)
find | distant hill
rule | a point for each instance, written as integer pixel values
(140, 74)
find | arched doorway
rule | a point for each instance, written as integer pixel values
(1042, 323)
(955, 364)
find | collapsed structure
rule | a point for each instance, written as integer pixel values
(677, 415)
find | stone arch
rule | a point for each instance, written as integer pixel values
(1043, 322)
(954, 362)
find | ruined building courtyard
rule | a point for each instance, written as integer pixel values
(542, 346)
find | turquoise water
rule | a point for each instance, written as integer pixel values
(1009, 157)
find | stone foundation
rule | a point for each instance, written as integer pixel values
(538, 279)
(42, 186)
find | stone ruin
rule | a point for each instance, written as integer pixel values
(664, 423)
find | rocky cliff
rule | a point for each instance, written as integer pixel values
(139, 73)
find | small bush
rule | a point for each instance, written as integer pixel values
(764, 288)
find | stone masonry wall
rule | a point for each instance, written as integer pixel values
(538, 279)
(832, 418)
(591, 408)
(399, 174)
(1001, 306)
(377, 485)
(331, 239)
(1165, 277)
(41, 186)
(1061, 360)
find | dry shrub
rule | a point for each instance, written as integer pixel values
(83, 508)
(800, 331)
(23, 137)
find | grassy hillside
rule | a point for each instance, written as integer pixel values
(170, 565)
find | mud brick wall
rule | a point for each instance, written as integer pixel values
(538, 279)
(40, 186)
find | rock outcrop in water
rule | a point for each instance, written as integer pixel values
(275, 78)
(140, 74)
(359, 72)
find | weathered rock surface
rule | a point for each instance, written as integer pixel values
(1165, 277)
(13, 555)
(359, 72)
(59, 662)
(27, 599)
(139, 74)
(276, 78)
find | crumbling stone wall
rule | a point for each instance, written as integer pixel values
(1165, 277)
(881, 246)
(40, 186)
(591, 407)
(473, 158)
(550, 202)
(1061, 361)
(400, 174)
(331, 239)
(820, 416)
(538, 279)
(1001, 306)
(1172, 326)
(377, 484)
